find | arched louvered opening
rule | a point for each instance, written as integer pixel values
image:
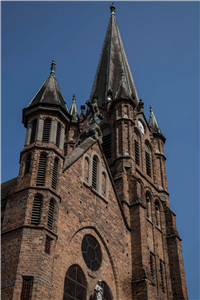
(58, 135)
(157, 210)
(137, 151)
(50, 214)
(148, 204)
(161, 275)
(27, 165)
(151, 265)
(75, 284)
(46, 130)
(94, 172)
(55, 173)
(33, 131)
(106, 142)
(35, 218)
(148, 160)
(41, 170)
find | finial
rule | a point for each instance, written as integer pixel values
(74, 98)
(151, 111)
(53, 67)
(112, 9)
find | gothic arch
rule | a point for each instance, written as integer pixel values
(101, 235)
(104, 173)
(99, 170)
(86, 158)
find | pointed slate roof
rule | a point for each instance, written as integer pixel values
(152, 121)
(49, 92)
(112, 61)
(73, 109)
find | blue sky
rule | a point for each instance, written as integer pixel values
(161, 40)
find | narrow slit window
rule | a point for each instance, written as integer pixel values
(148, 203)
(33, 131)
(148, 161)
(94, 173)
(46, 130)
(151, 265)
(50, 214)
(161, 276)
(35, 218)
(41, 170)
(27, 165)
(157, 214)
(48, 245)
(58, 135)
(55, 173)
(27, 288)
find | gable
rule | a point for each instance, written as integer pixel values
(97, 178)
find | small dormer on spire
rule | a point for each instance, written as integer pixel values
(73, 109)
(122, 89)
(152, 121)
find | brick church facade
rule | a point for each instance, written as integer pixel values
(88, 216)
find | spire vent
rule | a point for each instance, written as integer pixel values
(46, 130)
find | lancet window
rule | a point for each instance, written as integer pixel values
(46, 130)
(35, 218)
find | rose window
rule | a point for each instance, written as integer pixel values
(91, 252)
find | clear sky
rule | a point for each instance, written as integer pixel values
(161, 40)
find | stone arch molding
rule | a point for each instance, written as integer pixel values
(102, 237)
(101, 171)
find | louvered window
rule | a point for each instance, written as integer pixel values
(35, 218)
(33, 131)
(151, 264)
(94, 173)
(41, 170)
(106, 142)
(46, 130)
(107, 145)
(50, 215)
(48, 245)
(137, 157)
(161, 276)
(58, 135)
(27, 165)
(54, 175)
(26, 288)
(148, 162)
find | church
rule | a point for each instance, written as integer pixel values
(88, 216)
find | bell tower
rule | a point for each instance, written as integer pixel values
(134, 149)
(37, 192)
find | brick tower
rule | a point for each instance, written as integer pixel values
(89, 217)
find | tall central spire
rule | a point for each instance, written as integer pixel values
(112, 62)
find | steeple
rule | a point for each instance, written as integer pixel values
(112, 61)
(49, 92)
(152, 121)
(73, 109)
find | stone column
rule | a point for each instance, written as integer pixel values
(53, 132)
(28, 135)
(39, 130)
(62, 137)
